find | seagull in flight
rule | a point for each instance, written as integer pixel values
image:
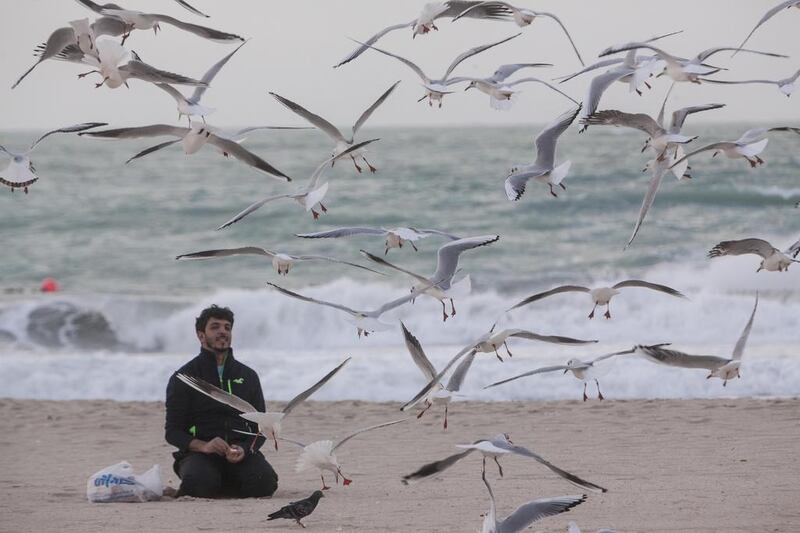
(501, 93)
(425, 21)
(395, 237)
(446, 267)
(543, 169)
(342, 143)
(786, 85)
(748, 146)
(772, 259)
(435, 89)
(269, 422)
(718, 367)
(309, 196)
(20, 172)
(768, 15)
(600, 295)
(192, 139)
(521, 16)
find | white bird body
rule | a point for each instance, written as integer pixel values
(603, 295)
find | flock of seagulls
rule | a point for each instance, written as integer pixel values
(94, 43)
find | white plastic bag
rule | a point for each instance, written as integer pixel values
(118, 483)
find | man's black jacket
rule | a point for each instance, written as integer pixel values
(191, 414)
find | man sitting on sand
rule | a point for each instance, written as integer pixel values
(212, 459)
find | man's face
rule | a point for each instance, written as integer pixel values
(217, 335)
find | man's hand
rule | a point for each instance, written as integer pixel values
(215, 445)
(235, 454)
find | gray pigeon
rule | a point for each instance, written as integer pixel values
(299, 509)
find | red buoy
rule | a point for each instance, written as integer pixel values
(49, 285)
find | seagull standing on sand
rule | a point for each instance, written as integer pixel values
(748, 146)
(498, 446)
(309, 196)
(425, 21)
(321, 454)
(581, 370)
(600, 295)
(192, 139)
(435, 89)
(269, 423)
(543, 169)
(527, 513)
(772, 259)
(501, 93)
(20, 172)
(395, 237)
(299, 509)
(522, 17)
(718, 367)
(446, 266)
(342, 143)
(439, 395)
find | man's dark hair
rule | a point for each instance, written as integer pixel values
(221, 313)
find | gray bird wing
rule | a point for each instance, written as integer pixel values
(593, 66)
(368, 112)
(679, 116)
(572, 478)
(69, 129)
(436, 467)
(138, 132)
(681, 359)
(140, 70)
(516, 183)
(364, 430)
(738, 350)
(334, 260)
(436, 232)
(437, 379)
(547, 139)
(541, 370)
(743, 246)
(794, 249)
(386, 263)
(647, 201)
(418, 354)
(554, 339)
(209, 76)
(599, 84)
(504, 71)
(705, 54)
(215, 393)
(734, 82)
(477, 10)
(614, 354)
(403, 60)
(647, 285)
(108, 26)
(558, 21)
(331, 130)
(342, 232)
(460, 373)
(530, 512)
(537, 80)
(151, 149)
(315, 301)
(294, 402)
(188, 7)
(447, 257)
(95, 7)
(473, 51)
(56, 42)
(372, 40)
(551, 292)
(713, 146)
(247, 157)
(173, 92)
(388, 306)
(228, 252)
(638, 121)
(200, 31)
(768, 15)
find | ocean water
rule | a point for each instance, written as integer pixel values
(123, 321)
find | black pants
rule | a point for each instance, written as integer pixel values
(210, 476)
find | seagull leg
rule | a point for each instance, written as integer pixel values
(497, 354)
(752, 162)
(483, 469)
(358, 168)
(445, 418)
(371, 168)
(324, 486)
(428, 406)
(607, 314)
(360, 331)
(591, 315)
(275, 440)
(83, 75)
(760, 161)
(500, 468)
(314, 214)
(345, 481)
(414, 246)
(599, 394)
(324, 209)
(584, 392)
(125, 36)
(98, 85)
(444, 312)
(564, 187)
(507, 350)
(452, 307)
(552, 191)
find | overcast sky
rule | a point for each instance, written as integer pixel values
(294, 44)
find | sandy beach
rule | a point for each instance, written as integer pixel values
(689, 466)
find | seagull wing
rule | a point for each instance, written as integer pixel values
(209, 76)
(478, 10)
(542, 370)
(537, 80)
(593, 66)
(679, 116)
(457, 379)
(313, 388)
(69, 129)
(473, 51)
(447, 256)
(418, 354)
(341, 232)
(554, 339)
(435, 232)
(372, 40)
(551, 292)
(738, 350)
(334, 260)
(386, 263)
(647, 201)
(364, 430)
(188, 7)
(173, 92)
(681, 359)
(215, 393)
(768, 15)
(550, 15)
(648, 285)
(108, 26)
(437, 379)
(151, 149)
(314, 301)
(547, 139)
(599, 84)
(140, 70)
(200, 31)
(530, 512)
(744, 246)
(331, 130)
(794, 249)
(94, 7)
(366, 114)
(614, 354)
(138, 132)
(228, 252)
(58, 40)
(504, 71)
(408, 63)
(247, 157)
(436, 467)
(713, 146)
(638, 121)
(705, 54)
